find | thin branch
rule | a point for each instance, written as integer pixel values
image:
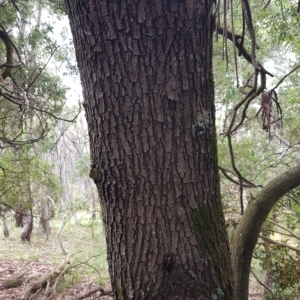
(248, 15)
(286, 229)
(41, 70)
(284, 77)
(270, 241)
(265, 7)
(234, 45)
(242, 49)
(246, 184)
(9, 98)
(293, 198)
(261, 283)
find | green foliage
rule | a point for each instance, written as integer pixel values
(257, 157)
(20, 173)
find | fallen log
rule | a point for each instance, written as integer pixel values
(11, 283)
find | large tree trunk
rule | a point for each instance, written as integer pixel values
(146, 71)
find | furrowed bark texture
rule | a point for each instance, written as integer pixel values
(246, 233)
(146, 71)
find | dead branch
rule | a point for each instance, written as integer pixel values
(93, 291)
(49, 278)
(50, 292)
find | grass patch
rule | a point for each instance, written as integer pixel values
(85, 241)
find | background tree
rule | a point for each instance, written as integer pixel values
(32, 102)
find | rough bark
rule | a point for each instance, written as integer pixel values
(246, 233)
(146, 72)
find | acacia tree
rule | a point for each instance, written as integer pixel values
(146, 72)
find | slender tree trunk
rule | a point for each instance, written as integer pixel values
(5, 228)
(27, 221)
(146, 71)
(45, 216)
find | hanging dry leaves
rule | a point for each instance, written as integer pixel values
(268, 115)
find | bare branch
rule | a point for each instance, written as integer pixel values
(270, 241)
(261, 283)
(246, 184)
(268, 3)
(286, 229)
(284, 77)
(243, 51)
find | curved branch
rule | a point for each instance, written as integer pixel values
(247, 232)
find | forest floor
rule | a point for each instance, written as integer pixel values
(82, 245)
(77, 254)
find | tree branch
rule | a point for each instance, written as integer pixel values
(247, 232)
(242, 50)
(265, 286)
(285, 76)
(286, 229)
(270, 241)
